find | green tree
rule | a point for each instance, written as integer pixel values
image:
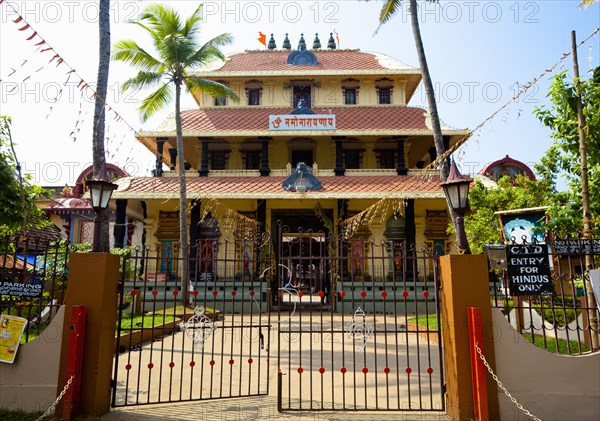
(482, 225)
(178, 54)
(562, 157)
(18, 195)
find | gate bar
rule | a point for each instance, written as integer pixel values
(478, 371)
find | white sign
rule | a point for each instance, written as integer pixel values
(302, 122)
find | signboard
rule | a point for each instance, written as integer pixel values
(302, 122)
(19, 289)
(576, 247)
(529, 270)
(595, 280)
(11, 329)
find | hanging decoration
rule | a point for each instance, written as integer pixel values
(378, 210)
(242, 225)
(199, 328)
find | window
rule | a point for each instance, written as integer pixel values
(253, 96)
(350, 96)
(384, 95)
(252, 160)
(217, 160)
(305, 156)
(352, 159)
(386, 159)
(302, 93)
(220, 101)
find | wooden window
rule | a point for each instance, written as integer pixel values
(352, 159)
(220, 101)
(252, 160)
(350, 96)
(217, 160)
(254, 96)
(384, 95)
(387, 159)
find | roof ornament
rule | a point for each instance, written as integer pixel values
(301, 180)
(301, 43)
(331, 43)
(287, 45)
(272, 44)
(302, 56)
(316, 42)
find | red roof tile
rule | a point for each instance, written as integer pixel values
(264, 60)
(257, 119)
(240, 187)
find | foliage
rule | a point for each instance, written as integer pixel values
(141, 320)
(481, 225)
(550, 344)
(17, 201)
(562, 158)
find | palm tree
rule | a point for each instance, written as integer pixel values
(388, 10)
(178, 54)
(98, 154)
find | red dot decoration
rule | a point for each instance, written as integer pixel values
(408, 370)
(128, 367)
(215, 292)
(133, 292)
(343, 370)
(300, 370)
(171, 364)
(195, 292)
(386, 370)
(342, 294)
(321, 294)
(430, 370)
(192, 363)
(300, 293)
(425, 294)
(250, 360)
(176, 293)
(365, 370)
(155, 293)
(233, 293)
(405, 294)
(231, 362)
(252, 293)
(321, 370)
(384, 294)
(363, 294)
(150, 366)
(212, 362)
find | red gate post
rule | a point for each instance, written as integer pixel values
(74, 360)
(478, 370)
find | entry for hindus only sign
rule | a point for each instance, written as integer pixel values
(529, 270)
(302, 122)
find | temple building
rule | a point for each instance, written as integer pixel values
(318, 135)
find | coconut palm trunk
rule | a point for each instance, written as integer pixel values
(98, 152)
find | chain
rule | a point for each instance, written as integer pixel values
(501, 386)
(53, 406)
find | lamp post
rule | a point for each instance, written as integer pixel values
(100, 192)
(456, 189)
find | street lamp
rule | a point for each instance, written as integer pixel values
(100, 192)
(456, 189)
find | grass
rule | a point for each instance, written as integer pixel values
(428, 322)
(550, 345)
(558, 315)
(141, 320)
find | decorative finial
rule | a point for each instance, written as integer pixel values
(272, 44)
(301, 43)
(316, 42)
(287, 45)
(331, 43)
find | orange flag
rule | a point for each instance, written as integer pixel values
(262, 38)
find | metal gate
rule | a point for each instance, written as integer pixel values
(215, 346)
(358, 325)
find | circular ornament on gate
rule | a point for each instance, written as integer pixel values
(195, 292)
(215, 292)
(128, 367)
(365, 370)
(231, 362)
(300, 370)
(233, 293)
(252, 293)
(212, 362)
(176, 292)
(300, 293)
(408, 370)
(384, 294)
(171, 364)
(405, 294)
(425, 294)
(342, 294)
(386, 370)
(430, 370)
(150, 366)
(343, 370)
(322, 370)
(192, 363)
(250, 360)
(321, 294)
(155, 293)
(363, 294)
(133, 292)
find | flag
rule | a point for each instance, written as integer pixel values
(262, 38)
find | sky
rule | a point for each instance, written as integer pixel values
(480, 54)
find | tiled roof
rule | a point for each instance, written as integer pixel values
(248, 119)
(276, 61)
(367, 187)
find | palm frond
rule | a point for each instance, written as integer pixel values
(388, 10)
(162, 19)
(156, 101)
(130, 52)
(143, 80)
(210, 51)
(190, 28)
(210, 87)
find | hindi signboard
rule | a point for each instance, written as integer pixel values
(529, 270)
(11, 330)
(302, 122)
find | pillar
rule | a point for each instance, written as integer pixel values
(160, 144)
(264, 169)
(194, 236)
(401, 168)
(339, 157)
(464, 280)
(120, 229)
(92, 281)
(203, 172)
(173, 158)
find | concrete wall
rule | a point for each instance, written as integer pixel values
(30, 382)
(550, 386)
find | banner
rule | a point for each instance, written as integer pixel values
(11, 330)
